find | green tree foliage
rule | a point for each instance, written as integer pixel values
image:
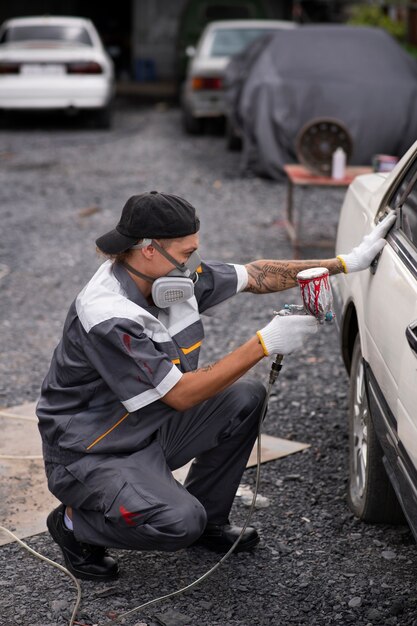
(374, 15)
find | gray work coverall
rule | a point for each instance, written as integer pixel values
(110, 443)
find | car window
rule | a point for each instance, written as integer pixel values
(405, 200)
(69, 34)
(228, 41)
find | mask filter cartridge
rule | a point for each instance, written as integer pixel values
(170, 290)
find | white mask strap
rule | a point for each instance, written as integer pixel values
(143, 244)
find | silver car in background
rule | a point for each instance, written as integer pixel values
(55, 63)
(377, 318)
(202, 93)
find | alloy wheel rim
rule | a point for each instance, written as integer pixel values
(359, 436)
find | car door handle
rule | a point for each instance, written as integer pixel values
(411, 335)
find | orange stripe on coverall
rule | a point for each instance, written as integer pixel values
(108, 431)
(192, 348)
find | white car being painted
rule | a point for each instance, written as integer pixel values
(202, 93)
(54, 63)
(377, 318)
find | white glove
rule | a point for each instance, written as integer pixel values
(287, 333)
(362, 256)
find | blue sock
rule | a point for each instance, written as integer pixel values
(68, 521)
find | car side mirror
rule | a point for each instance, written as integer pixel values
(190, 51)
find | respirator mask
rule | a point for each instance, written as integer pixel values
(175, 287)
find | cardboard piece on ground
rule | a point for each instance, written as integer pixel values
(24, 497)
(271, 448)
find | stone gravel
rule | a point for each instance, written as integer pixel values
(62, 185)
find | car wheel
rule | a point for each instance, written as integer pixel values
(371, 496)
(192, 125)
(233, 141)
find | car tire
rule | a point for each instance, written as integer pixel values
(192, 125)
(371, 496)
(233, 141)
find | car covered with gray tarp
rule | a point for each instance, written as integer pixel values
(358, 75)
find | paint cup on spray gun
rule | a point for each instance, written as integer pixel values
(316, 293)
(318, 300)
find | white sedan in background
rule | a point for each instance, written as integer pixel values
(377, 318)
(55, 63)
(202, 92)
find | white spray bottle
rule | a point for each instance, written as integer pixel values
(339, 164)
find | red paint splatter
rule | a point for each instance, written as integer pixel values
(146, 366)
(128, 516)
(126, 341)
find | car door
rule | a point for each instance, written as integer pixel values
(404, 243)
(392, 314)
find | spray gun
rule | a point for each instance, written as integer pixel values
(317, 300)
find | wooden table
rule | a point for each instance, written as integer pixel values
(298, 175)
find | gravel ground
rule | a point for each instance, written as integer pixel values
(61, 186)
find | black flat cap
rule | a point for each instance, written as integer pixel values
(152, 215)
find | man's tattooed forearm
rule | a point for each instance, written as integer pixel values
(270, 277)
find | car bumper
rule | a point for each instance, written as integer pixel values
(206, 104)
(44, 93)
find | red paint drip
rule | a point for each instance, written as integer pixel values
(146, 366)
(128, 516)
(126, 341)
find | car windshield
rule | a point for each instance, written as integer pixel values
(67, 34)
(229, 41)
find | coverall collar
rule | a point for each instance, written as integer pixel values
(133, 293)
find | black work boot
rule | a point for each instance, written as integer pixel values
(220, 538)
(81, 559)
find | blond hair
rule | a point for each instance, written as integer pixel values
(121, 257)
